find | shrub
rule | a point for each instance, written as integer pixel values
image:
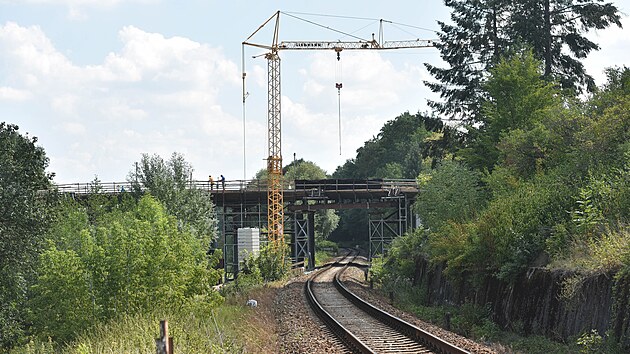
(131, 261)
(272, 262)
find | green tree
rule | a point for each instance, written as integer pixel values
(301, 169)
(484, 30)
(451, 192)
(470, 46)
(518, 103)
(24, 217)
(556, 29)
(406, 256)
(170, 182)
(508, 234)
(616, 87)
(399, 148)
(326, 221)
(62, 298)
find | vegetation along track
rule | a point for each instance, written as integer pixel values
(361, 326)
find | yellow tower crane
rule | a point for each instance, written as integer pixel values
(275, 207)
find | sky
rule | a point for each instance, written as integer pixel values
(101, 82)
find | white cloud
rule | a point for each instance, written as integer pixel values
(74, 2)
(121, 111)
(65, 104)
(12, 94)
(370, 80)
(614, 45)
(77, 9)
(32, 53)
(154, 95)
(376, 88)
(158, 94)
(74, 128)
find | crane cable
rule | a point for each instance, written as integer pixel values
(339, 85)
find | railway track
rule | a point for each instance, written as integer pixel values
(361, 326)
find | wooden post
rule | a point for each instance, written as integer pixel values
(164, 344)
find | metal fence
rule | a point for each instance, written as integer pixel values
(242, 185)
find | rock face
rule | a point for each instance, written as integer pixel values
(534, 304)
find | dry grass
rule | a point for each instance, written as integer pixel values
(607, 252)
(255, 330)
(231, 327)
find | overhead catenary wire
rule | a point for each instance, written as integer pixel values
(358, 18)
(393, 23)
(325, 27)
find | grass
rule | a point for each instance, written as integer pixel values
(230, 327)
(607, 251)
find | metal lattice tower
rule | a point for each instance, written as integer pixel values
(275, 213)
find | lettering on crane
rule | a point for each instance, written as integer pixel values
(308, 44)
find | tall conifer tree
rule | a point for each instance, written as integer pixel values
(470, 46)
(556, 30)
(484, 30)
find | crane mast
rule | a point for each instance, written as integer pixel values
(275, 207)
(275, 203)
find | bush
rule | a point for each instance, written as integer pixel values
(130, 261)
(327, 245)
(506, 236)
(272, 262)
(450, 192)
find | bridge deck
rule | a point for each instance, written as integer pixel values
(326, 193)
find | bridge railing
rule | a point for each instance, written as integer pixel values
(247, 185)
(120, 187)
(355, 184)
(233, 185)
(91, 188)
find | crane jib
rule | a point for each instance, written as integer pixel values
(336, 45)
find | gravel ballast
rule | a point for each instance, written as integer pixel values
(301, 331)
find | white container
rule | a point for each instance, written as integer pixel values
(248, 239)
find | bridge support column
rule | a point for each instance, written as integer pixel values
(304, 239)
(385, 226)
(300, 238)
(231, 217)
(311, 240)
(229, 222)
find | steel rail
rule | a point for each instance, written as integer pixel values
(425, 338)
(340, 331)
(414, 333)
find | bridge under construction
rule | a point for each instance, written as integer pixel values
(243, 204)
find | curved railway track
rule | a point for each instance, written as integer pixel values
(361, 326)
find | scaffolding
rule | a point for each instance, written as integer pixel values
(388, 203)
(387, 224)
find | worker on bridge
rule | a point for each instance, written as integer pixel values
(211, 182)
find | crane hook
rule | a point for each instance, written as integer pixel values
(339, 85)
